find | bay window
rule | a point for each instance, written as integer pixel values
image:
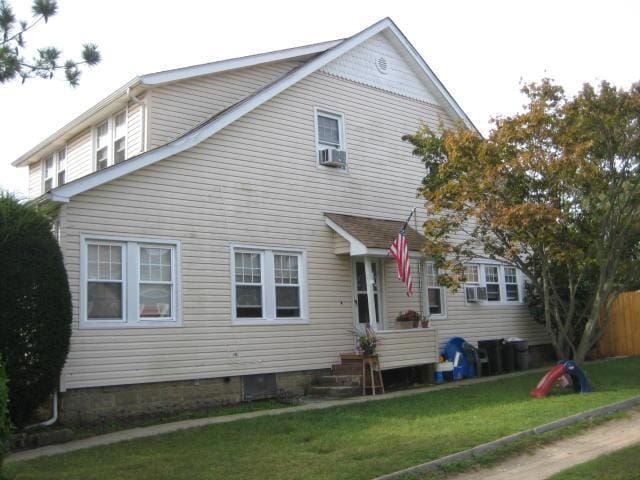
(267, 285)
(128, 283)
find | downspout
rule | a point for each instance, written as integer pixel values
(54, 414)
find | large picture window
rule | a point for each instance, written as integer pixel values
(268, 285)
(126, 282)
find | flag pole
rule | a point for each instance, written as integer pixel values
(421, 294)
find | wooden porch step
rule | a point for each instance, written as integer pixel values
(335, 391)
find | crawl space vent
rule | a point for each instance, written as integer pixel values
(256, 387)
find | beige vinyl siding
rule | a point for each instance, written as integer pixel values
(79, 156)
(35, 179)
(395, 294)
(411, 347)
(255, 182)
(178, 107)
(135, 129)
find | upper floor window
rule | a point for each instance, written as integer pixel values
(330, 142)
(268, 285)
(54, 170)
(111, 141)
(492, 281)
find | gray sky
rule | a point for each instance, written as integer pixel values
(480, 49)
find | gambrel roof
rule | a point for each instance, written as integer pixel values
(319, 55)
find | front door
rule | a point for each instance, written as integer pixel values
(361, 297)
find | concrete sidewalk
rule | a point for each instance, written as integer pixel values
(143, 432)
(563, 454)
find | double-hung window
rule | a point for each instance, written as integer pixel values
(512, 289)
(268, 285)
(436, 294)
(48, 173)
(61, 167)
(472, 274)
(111, 141)
(130, 283)
(330, 136)
(492, 281)
(54, 170)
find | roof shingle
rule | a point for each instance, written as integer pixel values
(376, 232)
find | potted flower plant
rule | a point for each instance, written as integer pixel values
(367, 341)
(410, 316)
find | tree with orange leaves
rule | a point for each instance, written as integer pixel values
(554, 191)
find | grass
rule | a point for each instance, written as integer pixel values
(351, 442)
(621, 465)
(116, 425)
(515, 449)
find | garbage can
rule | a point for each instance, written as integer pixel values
(521, 354)
(494, 352)
(508, 357)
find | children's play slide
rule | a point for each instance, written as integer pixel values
(565, 373)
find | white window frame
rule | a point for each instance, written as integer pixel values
(517, 283)
(481, 265)
(498, 282)
(55, 156)
(327, 112)
(111, 140)
(269, 286)
(131, 282)
(443, 293)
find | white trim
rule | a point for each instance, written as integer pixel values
(242, 108)
(184, 73)
(267, 274)
(481, 264)
(342, 144)
(130, 282)
(55, 157)
(425, 295)
(381, 284)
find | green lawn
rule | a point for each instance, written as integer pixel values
(621, 465)
(351, 442)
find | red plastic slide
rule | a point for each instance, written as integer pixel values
(545, 385)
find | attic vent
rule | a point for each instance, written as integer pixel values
(381, 64)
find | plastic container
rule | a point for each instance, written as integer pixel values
(521, 348)
(508, 357)
(494, 352)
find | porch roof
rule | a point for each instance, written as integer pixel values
(370, 236)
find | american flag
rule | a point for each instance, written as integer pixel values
(400, 251)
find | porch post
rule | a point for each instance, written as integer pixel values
(368, 270)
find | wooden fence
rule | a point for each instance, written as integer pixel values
(623, 333)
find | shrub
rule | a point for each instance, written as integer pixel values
(4, 416)
(35, 306)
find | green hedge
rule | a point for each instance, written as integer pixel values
(35, 306)
(4, 415)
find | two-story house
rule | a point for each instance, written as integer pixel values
(229, 223)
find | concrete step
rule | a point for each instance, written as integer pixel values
(335, 391)
(348, 369)
(340, 380)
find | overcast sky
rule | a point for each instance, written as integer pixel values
(481, 50)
